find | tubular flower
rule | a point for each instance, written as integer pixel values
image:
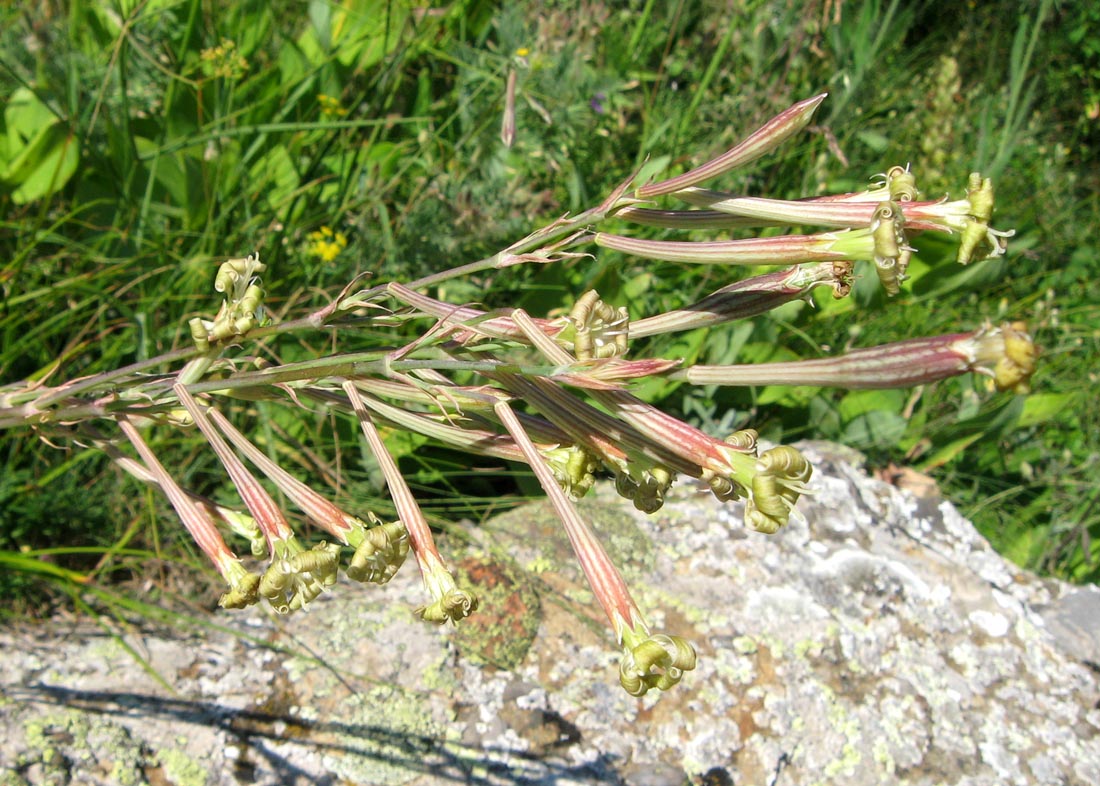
(1006, 354)
(730, 467)
(782, 250)
(898, 185)
(295, 576)
(750, 297)
(649, 661)
(372, 549)
(348, 529)
(243, 585)
(761, 141)
(449, 603)
(729, 211)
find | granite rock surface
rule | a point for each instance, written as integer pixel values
(880, 641)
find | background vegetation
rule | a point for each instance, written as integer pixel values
(141, 142)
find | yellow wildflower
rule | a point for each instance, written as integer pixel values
(326, 244)
(330, 106)
(224, 61)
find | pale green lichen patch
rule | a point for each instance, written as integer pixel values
(534, 534)
(390, 739)
(92, 742)
(182, 770)
(629, 547)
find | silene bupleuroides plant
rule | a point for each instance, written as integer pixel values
(462, 379)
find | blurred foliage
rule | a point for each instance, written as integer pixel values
(142, 142)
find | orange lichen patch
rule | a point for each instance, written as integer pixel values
(502, 633)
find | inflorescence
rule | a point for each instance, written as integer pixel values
(564, 408)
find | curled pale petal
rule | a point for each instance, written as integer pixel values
(902, 184)
(200, 334)
(645, 486)
(658, 661)
(274, 585)
(455, 604)
(321, 562)
(242, 309)
(380, 555)
(1006, 354)
(892, 251)
(573, 467)
(745, 440)
(290, 583)
(235, 275)
(781, 477)
(724, 489)
(244, 593)
(599, 329)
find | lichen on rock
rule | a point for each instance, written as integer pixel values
(879, 641)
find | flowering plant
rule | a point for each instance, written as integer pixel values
(553, 393)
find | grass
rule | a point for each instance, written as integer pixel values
(143, 142)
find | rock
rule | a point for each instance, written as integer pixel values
(880, 641)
